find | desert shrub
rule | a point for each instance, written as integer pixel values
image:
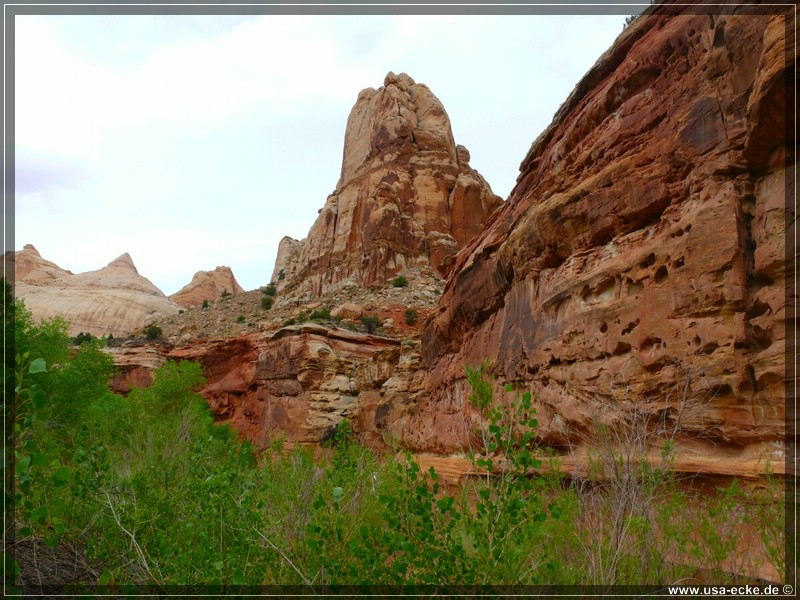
(241, 319)
(152, 332)
(270, 289)
(181, 311)
(411, 316)
(289, 322)
(400, 281)
(225, 294)
(82, 337)
(205, 304)
(266, 302)
(281, 275)
(371, 323)
(323, 312)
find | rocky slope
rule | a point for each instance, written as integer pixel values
(407, 196)
(113, 300)
(640, 257)
(207, 285)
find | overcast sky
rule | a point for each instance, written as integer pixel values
(196, 141)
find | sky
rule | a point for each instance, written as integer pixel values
(196, 141)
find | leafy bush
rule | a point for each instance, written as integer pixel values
(241, 319)
(411, 316)
(371, 323)
(205, 304)
(152, 332)
(266, 302)
(225, 294)
(281, 275)
(270, 290)
(400, 281)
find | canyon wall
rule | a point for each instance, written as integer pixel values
(640, 257)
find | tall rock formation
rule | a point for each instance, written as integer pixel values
(287, 261)
(406, 196)
(640, 257)
(207, 285)
(113, 300)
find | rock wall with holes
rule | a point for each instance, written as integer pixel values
(640, 257)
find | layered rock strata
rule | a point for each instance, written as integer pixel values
(299, 382)
(406, 196)
(207, 285)
(640, 257)
(113, 300)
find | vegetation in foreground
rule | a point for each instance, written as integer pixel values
(147, 491)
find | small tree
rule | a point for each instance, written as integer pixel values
(400, 281)
(82, 337)
(270, 290)
(371, 323)
(411, 316)
(152, 332)
(266, 302)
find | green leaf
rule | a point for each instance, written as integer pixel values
(219, 565)
(337, 494)
(38, 398)
(23, 462)
(62, 475)
(40, 460)
(38, 365)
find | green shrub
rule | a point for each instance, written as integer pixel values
(371, 323)
(320, 313)
(400, 281)
(270, 290)
(82, 337)
(411, 316)
(205, 304)
(241, 319)
(152, 332)
(225, 294)
(289, 322)
(281, 275)
(266, 302)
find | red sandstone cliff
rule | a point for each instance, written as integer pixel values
(207, 285)
(406, 196)
(642, 248)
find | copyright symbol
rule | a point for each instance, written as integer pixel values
(787, 589)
